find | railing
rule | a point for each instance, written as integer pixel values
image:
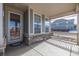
(71, 39)
(69, 35)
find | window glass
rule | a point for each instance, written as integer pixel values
(37, 23)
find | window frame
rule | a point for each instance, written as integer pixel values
(44, 25)
(33, 23)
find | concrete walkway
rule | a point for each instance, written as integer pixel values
(51, 47)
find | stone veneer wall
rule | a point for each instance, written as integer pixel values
(38, 38)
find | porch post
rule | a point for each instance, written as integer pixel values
(77, 12)
(78, 29)
(2, 47)
(1, 24)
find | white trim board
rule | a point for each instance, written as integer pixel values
(33, 22)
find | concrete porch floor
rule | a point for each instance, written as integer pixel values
(50, 47)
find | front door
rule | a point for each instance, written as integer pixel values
(14, 27)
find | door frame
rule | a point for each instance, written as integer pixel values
(21, 25)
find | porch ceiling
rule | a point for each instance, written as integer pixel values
(52, 9)
(49, 9)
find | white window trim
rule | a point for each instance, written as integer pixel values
(28, 20)
(49, 24)
(33, 23)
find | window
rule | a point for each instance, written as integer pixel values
(37, 23)
(47, 25)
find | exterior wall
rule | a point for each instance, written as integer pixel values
(28, 18)
(26, 23)
(26, 27)
(31, 21)
(40, 36)
(6, 10)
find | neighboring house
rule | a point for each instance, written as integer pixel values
(63, 25)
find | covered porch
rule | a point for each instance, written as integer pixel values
(35, 36)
